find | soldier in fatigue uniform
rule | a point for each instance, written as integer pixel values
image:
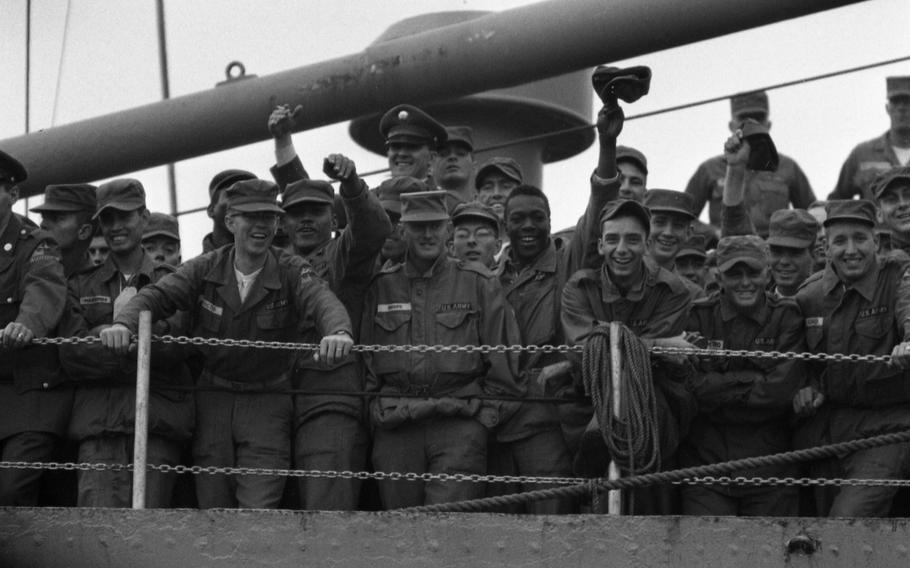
(453, 169)
(671, 227)
(161, 239)
(253, 291)
(217, 208)
(744, 404)
(874, 157)
(892, 196)
(67, 215)
(102, 422)
(477, 234)
(389, 193)
(495, 179)
(857, 304)
(692, 260)
(433, 299)
(34, 405)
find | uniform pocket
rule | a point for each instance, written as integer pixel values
(458, 328)
(274, 319)
(390, 329)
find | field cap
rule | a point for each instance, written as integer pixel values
(162, 225)
(390, 190)
(125, 194)
(308, 191)
(410, 125)
(794, 228)
(506, 166)
(749, 249)
(628, 154)
(226, 179)
(748, 103)
(898, 87)
(68, 197)
(424, 206)
(463, 135)
(626, 208)
(695, 245)
(855, 210)
(669, 201)
(252, 196)
(888, 178)
(477, 211)
(11, 168)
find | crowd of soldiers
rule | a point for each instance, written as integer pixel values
(453, 253)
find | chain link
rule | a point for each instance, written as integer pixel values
(484, 349)
(727, 481)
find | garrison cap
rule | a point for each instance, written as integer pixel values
(11, 168)
(308, 191)
(749, 249)
(162, 225)
(389, 191)
(752, 102)
(69, 197)
(410, 125)
(125, 194)
(855, 210)
(626, 208)
(669, 201)
(463, 135)
(226, 179)
(794, 228)
(253, 195)
(424, 206)
(898, 87)
(506, 166)
(478, 211)
(627, 154)
(888, 178)
(695, 245)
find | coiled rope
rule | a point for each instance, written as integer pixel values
(631, 436)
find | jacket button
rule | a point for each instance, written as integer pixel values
(45, 385)
(8, 247)
(9, 300)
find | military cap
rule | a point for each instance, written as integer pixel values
(125, 194)
(162, 225)
(226, 179)
(898, 87)
(752, 102)
(11, 168)
(424, 206)
(463, 135)
(855, 210)
(695, 245)
(626, 208)
(506, 166)
(475, 210)
(628, 84)
(68, 198)
(669, 201)
(794, 228)
(410, 125)
(749, 249)
(308, 191)
(253, 195)
(390, 190)
(888, 178)
(625, 153)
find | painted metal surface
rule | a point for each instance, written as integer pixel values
(495, 51)
(100, 538)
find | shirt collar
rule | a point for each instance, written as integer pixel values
(865, 286)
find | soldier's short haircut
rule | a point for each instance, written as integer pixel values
(530, 191)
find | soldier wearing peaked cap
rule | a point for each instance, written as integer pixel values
(743, 403)
(67, 215)
(477, 235)
(34, 409)
(671, 226)
(857, 304)
(431, 298)
(217, 208)
(873, 157)
(102, 417)
(692, 258)
(248, 290)
(495, 179)
(892, 196)
(765, 191)
(389, 193)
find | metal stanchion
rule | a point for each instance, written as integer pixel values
(140, 440)
(614, 497)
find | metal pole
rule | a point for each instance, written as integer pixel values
(166, 94)
(614, 497)
(140, 440)
(499, 50)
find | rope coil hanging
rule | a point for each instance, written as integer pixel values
(631, 437)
